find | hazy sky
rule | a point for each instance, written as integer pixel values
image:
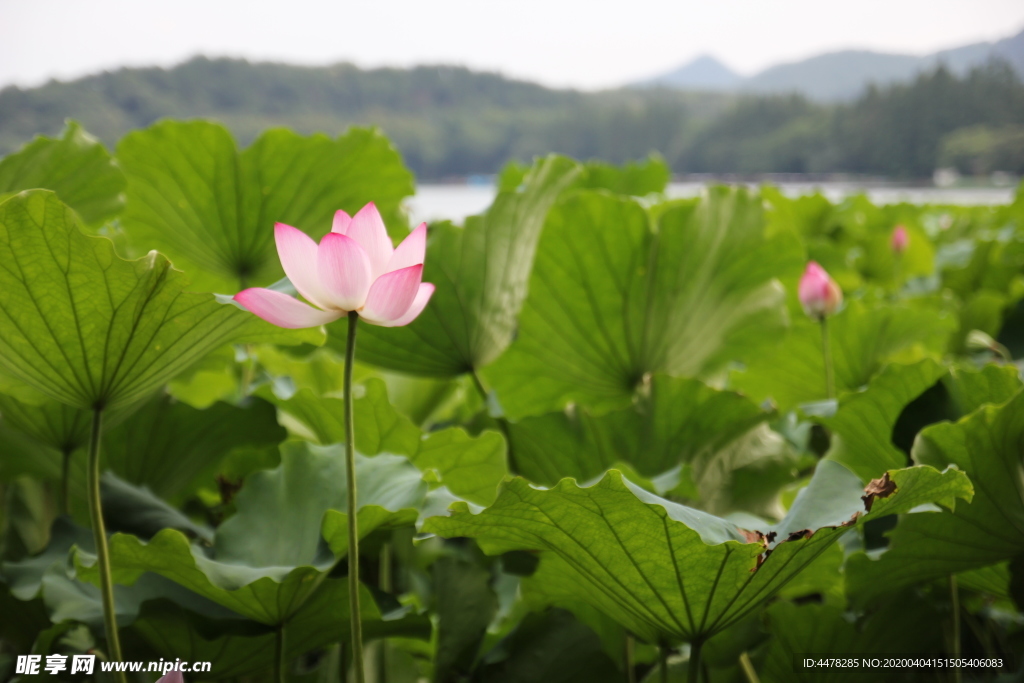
(578, 43)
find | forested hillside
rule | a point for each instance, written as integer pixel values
(449, 121)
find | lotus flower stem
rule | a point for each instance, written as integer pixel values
(502, 422)
(248, 373)
(748, 668)
(693, 673)
(386, 584)
(954, 593)
(630, 667)
(65, 476)
(663, 662)
(826, 350)
(280, 661)
(99, 532)
(353, 522)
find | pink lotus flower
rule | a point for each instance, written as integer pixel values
(354, 268)
(173, 677)
(819, 294)
(900, 240)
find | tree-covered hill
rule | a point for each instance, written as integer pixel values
(449, 121)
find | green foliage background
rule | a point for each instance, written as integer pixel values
(452, 122)
(605, 447)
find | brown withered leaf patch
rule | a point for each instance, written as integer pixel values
(760, 560)
(797, 535)
(752, 536)
(883, 487)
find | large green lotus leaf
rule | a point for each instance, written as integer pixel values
(971, 388)
(25, 577)
(863, 424)
(69, 600)
(242, 647)
(988, 446)
(168, 447)
(269, 557)
(470, 467)
(136, 510)
(613, 300)
(908, 627)
(46, 573)
(465, 605)
(675, 421)
(745, 475)
(637, 178)
(55, 425)
(22, 455)
(551, 647)
(663, 570)
(76, 166)
(211, 209)
(172, 448)
(992, 580)
(35, 438)
(480, 273)
(863, 339)
(92, 330)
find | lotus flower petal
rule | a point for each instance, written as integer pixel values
(173, 677)
(819, 293)
(282, 310)
(297, 252)
(392, 294)
(412, 251)
(900, 240)
(423, 295)
(367, 228)
(344, 271)
(341, 222)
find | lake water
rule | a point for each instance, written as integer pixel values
(455, 202)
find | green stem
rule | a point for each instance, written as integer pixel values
(353, 521)
(748, 668)
(99, 533)
(694, 667)
(954, 593)
(385, 584)
(503, 424)
(280, 660)
(630, 668)
(248, 372)
(826, 351)
(663, 663)
(65, 476)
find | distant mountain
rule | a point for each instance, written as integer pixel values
(840, 76)
(703, 73)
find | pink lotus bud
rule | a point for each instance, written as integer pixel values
(819, 294)
(900, 240)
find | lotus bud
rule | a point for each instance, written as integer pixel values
(819, 294)
(900, 240)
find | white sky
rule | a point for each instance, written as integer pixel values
(579, 43)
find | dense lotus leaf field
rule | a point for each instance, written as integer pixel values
(614, 446)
